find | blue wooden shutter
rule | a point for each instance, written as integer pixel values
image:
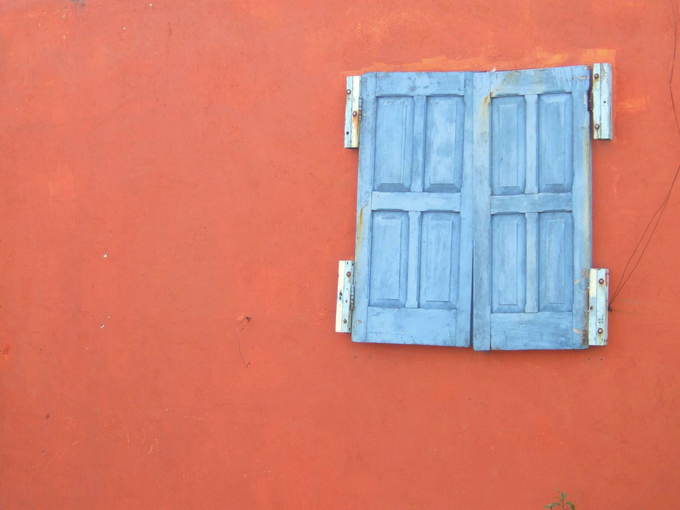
(413, 271)
(532, 208)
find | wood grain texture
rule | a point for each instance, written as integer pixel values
(532, 209)
(506, 149)
(414, 219)
(481, 314)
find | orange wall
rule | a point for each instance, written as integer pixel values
(168, 169)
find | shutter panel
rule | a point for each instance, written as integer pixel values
(532, 207)
(413, 270)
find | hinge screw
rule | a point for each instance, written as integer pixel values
(349, 274)
(596, 76)
(601, 280)
(597, 126)
(600, 331)
(354, 113)
(349, 91)
(345, 321)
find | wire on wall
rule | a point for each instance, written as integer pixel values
(647, 235)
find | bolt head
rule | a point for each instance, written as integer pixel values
(345, 321)
(597, 126)
(349, 273)
(349, 91)
(596, 76)
(600, 331)
(601, 280)
(354, 114)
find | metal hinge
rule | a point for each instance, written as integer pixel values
(352, 112)
(598, 298)
(590, 100)
(601, 98)
(345, 302)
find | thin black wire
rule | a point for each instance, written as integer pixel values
(656, 217)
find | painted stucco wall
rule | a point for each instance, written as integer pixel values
(169, 168)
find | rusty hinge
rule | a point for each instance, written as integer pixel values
(598, 297)
(602, 101)
(345, 303)
(352, 112)
(590, 100)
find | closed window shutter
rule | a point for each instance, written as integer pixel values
(532, 209)
(413, 269)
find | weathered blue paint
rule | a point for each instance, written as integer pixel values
(532, 207)
(413, 272)
(520, 139)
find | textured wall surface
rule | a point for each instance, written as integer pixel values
(168, 169)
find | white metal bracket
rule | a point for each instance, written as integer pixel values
(352, 112)
(345, 305)
(598, 294)
(602, 102)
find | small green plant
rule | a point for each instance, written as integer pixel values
(561, 502)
